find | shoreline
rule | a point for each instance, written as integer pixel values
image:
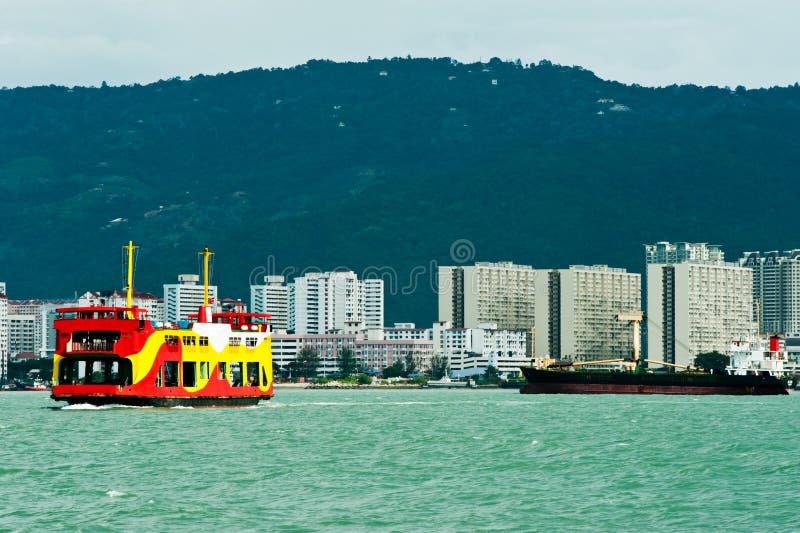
(333, 386)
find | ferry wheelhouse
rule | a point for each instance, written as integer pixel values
(116, 355)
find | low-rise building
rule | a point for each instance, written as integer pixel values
(372, 355)
(470, 351)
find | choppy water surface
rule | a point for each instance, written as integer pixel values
(406, 460)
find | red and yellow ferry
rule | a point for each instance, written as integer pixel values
(116, 355)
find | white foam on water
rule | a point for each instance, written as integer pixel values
(114, 494)
(534, 442)
(90, 407)
(623, 444)
(182, 407)
(82, 407)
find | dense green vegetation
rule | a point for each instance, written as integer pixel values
(712, 362)
(334, 164)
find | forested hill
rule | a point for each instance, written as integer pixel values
(384, 163)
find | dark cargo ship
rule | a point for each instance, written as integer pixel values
(556, 381)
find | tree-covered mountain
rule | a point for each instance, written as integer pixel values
(384, 163)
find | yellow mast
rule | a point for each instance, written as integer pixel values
(206, 254)
(129, 282)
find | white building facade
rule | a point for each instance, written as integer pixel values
(666, 253)
(776, 289)
(185, 297)
(577, 310)
(324, 302)
(143, 300)
(273, 298)
(502, 293)
(471, 350)
(371, 355)
(694, 308)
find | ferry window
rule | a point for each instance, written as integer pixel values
(170, 339)
(236, 374)
(113, 372)
(223, 371)
(159, 383)
(98, 371)
(203, 341)
(171, 374)
(264, 379)
(204, 370)
(251, 342)
(252, 374)
(234, 341)
(189, 374)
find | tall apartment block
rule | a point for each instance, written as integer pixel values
(664, 253)
(272, 297)
(371, 302)
(185, 297)
(500, 293)
(776, 289)
(325, 302)
(577, 312)
(697, 307)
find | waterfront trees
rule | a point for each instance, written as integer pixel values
(347, 362)
(712, 361)
(308, 362)
(396, 370)
(411, 364)
(440, 366)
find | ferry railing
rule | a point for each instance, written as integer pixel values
(90, 346)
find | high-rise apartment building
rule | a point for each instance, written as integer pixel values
(501, 293)
(39, 316)
(776, 289)
(678, 252)
(22, 335)
(694, 308)
(185, 297)
(371, 302)
(577, 312)
(325, 302)
(272, 297)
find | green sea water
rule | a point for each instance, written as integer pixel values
(405, 460)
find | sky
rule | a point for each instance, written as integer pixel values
(649, 42)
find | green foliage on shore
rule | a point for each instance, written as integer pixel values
(712, 362)
(440, 366)
(347, 363)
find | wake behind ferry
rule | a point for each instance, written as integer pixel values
(115, 355)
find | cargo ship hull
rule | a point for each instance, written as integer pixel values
(606, 382)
